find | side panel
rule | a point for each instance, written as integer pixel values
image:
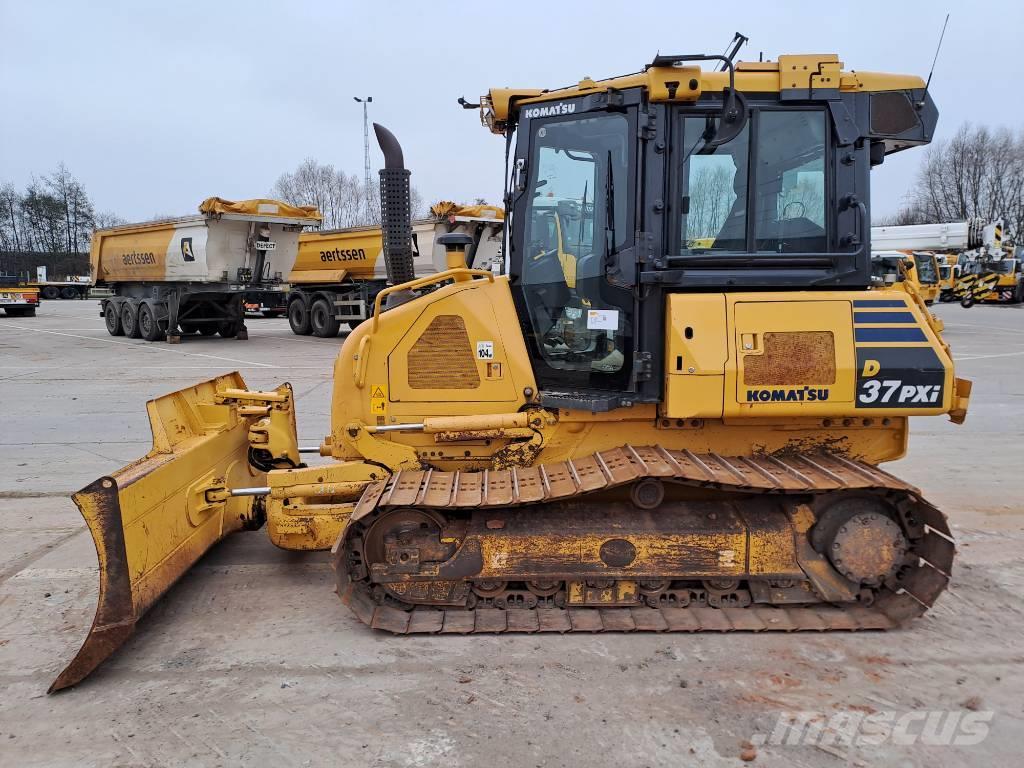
(356, 251)
(834, 354)
(368, 365)
(793, 357)
(132, 256)
(696, 352)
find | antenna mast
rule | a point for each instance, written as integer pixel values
(932, 71)
(366, 157)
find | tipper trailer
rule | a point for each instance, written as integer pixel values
(188, 275)
(338, 273)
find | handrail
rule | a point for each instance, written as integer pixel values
(419, 282)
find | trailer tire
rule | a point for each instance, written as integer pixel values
(228, 329)
(130, 320)
(325, 324)
(112, 319)
(50, 292)
(67, 292)
(149, 325)
(967, 302)
(298, 318)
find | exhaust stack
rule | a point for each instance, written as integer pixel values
(395, 215)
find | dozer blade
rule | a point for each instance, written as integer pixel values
(153, 519)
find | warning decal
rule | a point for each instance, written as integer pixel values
(378, 398)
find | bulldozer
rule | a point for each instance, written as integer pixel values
(685, 436)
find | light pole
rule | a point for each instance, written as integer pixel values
(366, 154)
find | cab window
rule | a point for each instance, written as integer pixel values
(714, 204)
(790, 174)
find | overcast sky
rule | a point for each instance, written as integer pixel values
(155, 106)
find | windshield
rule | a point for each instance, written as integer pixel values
(578, 194)
(926, 272)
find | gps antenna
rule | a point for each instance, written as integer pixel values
(938, 48)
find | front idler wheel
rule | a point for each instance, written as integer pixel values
(862, 540)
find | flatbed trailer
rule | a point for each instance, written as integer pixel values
(60, 289)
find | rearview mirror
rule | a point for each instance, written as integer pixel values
(731, 120)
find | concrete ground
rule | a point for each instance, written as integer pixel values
(251, 659)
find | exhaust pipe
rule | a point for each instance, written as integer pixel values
(395, 215)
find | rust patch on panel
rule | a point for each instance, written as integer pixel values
(801, 357)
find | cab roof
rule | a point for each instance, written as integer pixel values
(684, 82)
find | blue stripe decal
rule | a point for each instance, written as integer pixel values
(883, 317)
(879, 303)
(889, 334)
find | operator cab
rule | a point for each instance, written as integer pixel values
(677, 179)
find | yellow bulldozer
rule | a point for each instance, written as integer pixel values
(679, 439)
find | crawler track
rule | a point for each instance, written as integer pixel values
(800, 480)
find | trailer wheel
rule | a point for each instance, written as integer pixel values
(325, 324)
(67, 292)
(50, 292)
(298, 318)
(149, 326)
(967, 302)
(112, 318)
(130, 320)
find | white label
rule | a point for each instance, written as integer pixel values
(485, 350)
(603, 319)
(261, 245)
(573, 313)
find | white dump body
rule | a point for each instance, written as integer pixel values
(212, 248)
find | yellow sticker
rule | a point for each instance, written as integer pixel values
(378, 397)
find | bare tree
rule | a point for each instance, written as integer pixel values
(53, 215)
(978, 173)
(711, 198)
(340, 197)
(107, 219)
(10, 202)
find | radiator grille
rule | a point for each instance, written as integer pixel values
(442, 357)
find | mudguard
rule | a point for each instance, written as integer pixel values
(153, 519)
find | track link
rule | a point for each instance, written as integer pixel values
(907, 595)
